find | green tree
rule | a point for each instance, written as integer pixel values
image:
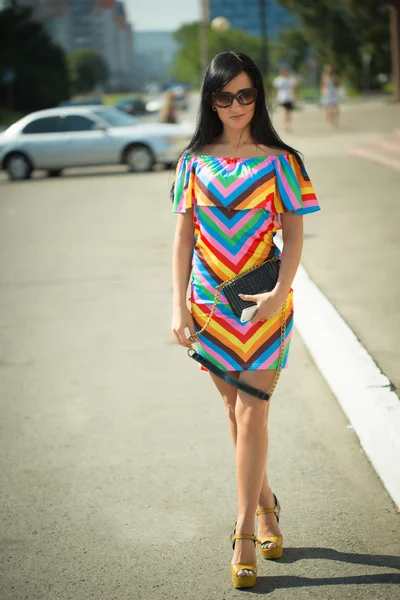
(41, 77)
(187, 67)
(344, 32)
(293, 48)
(87, 69)
(371, 25)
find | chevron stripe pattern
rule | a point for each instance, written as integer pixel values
(237, 205)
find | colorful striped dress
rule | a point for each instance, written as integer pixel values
(237, 205)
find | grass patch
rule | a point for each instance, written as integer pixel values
(388, 88)
(352, 92)
(309, 93)
(110, 99)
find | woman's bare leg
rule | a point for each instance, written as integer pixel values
(229, 395)
(288, 120)
(335, 115)
(251, 455)
(328, 114)
(267, 524)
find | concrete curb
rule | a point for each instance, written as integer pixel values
(362, 390)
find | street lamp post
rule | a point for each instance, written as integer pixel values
(262, 11)
(395, 42)
(204, 20)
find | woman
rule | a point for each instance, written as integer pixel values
(286, 93)
(168, 110)
(329, 86)
(236, 184)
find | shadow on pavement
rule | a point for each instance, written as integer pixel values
(292, 555)
(269, 584)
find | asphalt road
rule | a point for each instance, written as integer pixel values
(116, 467)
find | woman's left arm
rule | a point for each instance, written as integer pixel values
(270, 303)
(292, 230)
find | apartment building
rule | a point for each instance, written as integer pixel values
(246, 16)
(91, 24)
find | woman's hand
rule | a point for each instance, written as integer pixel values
(269, 304)
(181, 320)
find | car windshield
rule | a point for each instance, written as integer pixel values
(116, 118)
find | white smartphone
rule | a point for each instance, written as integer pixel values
(248, 313)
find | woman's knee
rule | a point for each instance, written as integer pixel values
(250, 415)
(251, 412)
(228, 394)
(230, 406)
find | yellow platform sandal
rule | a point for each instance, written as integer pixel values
(271, 553)
(245, 581)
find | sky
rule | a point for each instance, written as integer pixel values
(161, 15)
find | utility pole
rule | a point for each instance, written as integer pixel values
(203, 38)
(394, 12)
(262, 11)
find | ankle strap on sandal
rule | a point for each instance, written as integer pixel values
(265, 511)
(276, 510)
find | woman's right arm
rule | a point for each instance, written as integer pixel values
(181, 269)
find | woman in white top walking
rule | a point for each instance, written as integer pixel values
(329, 86)
(286, 92)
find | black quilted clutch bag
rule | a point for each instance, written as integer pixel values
(257, 281)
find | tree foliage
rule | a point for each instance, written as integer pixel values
(352, 35)
(345, 33)
(87, 69)
(293, 48)
(188, 68)
(41, 78)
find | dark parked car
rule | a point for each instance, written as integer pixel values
(132, 106)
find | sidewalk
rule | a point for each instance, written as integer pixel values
(352, 253)
(353, 247)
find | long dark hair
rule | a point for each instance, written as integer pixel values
(222, 69)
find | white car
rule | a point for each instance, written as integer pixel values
(61, 138)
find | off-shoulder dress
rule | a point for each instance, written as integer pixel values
(237, 204)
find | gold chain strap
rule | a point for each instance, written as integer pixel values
(219, 288)
(281, 349)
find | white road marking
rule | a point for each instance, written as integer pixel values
(379, 158)
(387, 145)
(360, 387)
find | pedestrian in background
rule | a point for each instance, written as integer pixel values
(286, 88)
(168, 109)
(329, 86)
(237, 183)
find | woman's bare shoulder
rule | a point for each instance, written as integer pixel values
(269, 150)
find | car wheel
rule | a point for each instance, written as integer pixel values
(139, 158)
(54, 173)
(18, 167)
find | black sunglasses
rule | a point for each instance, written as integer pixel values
(225, 99)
